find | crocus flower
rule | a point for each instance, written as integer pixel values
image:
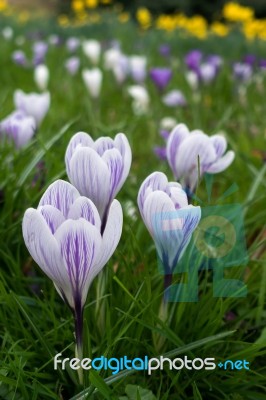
(137, 66)
(33, 104)
(55, 40)
(41, 76)
(39, 52)
(63, 236)
(19, 57)
(93, 81)
(191, 154)
(98, 169)
(192, 79)
(7, 33)
(72, 65)
(169, 219)
(121, 68)
(18, 127)
(161, 77)
(174, 98)
(166, 125)
(92, 50)
(215, 60)
(165, 50)
(242, 72)
(111, 58)
(140, 97)
(207, 72)
(72, 44)
(193, 59)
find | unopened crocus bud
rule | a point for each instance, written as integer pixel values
(141, 99)
(72, 65)
(161, 77)
(93, 81)
(174, 98)
(137, 67)
(19, 58)
(41, 76)
(33, 104)
(92, 50)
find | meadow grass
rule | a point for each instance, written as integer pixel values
(122, 310)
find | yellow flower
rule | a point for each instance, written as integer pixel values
(77, 6)
(63, 20)
(91, 3)
(236, 13)
(219, 29)
(106, 1)
(166, 23)
(123, 17)
(144, 17)
(3, 5)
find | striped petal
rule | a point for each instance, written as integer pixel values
(84, 208)
(219, 143)
(53, 217)
(122, 144)
(90, 174)
(155, 181)
(80, 139)
(176, 137)
(60, 195)
(114, 162)
(221, 164)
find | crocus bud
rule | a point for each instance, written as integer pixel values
(41, 76)
(137, 66)
(72, 65)
(207, 72)
(169, 219)
(140, 97)
(39, 52)
(93, 81)
(98, 169)
(19, 57)
(32, 104)
(18, 127)
(161, 77)
(111, 58)
(191, 154)
(72, 44)
(63, 236)
(92, 50)
(174, 98)
(192, 79)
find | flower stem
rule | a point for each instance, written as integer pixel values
(78, 315)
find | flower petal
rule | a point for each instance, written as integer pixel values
(111, 235)
(122, 144)
(221, 164)
(176, 137)
(155, 181)
(60, 195)
(80, 244)
(44, 248)
(84, 208)
(103, 144)
(90, 174)
(79, 139)
(53, 217)
(114, 162)
(219, 143)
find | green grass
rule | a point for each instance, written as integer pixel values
(122, 311)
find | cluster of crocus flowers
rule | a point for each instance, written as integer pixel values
(169, 219)
(21, 125)
(76, 228)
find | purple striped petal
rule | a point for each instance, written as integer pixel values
(80, 244)
(103, 144)
(122, 144)
(177, 136)
(219, 143)
(44, 248)
(114, 163)
(53, 217)
(79, 139)
(155, 181)
(90, 174)
(60, 195)
(84, 208)
(221, 164)
(111, 235)
(178, 196)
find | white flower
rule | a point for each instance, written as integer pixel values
(92, 50)
(93, 81)
(140, 97)
(41, 76)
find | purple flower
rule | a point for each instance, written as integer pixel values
(160, 152)
(72, 44)
(242, 72)
(98, 169)
(39, 52)
(161, 77)
(191, 154)
(174, 98)
(33, 104)
(193, 59)
(169, 219)
(250, 59)
(207, 72)
(215, 60)
(72, 65)
(262, 64)
(18, 127)
(63, 236)
(19, 58)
